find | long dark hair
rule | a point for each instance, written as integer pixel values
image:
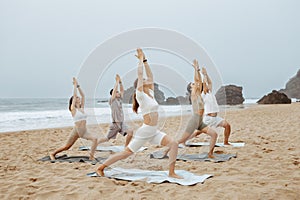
(70, 103)
(135, 104)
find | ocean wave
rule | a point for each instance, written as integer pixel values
(12, 120)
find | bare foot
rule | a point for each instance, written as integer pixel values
(52, 156)
(173, 175)
(211, 156)
(227, 143)
(100, 172)
(92, 158)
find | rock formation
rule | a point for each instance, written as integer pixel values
(230, 95)
(292, 87)
(275, 97)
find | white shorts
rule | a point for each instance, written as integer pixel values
(212, 121)
(145, 134)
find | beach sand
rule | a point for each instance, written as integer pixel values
(266, 168)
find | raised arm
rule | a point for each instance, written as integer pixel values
(207, 80)
(74, 94)
(197, 76)
(140, 71)
(81, 94)
(121, 87)
(114, 93)
(148, 71)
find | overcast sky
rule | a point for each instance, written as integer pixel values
(253, 43)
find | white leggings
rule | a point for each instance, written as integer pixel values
(145, 134)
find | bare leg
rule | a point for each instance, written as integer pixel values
(102, 140)
(112, 159)
(74, 136)
(173, 146)
(94, 138)
(64, 148)
(195, 134)
(93, 148)
(128, 137)
(213, 139)
(183, 139)
(227, 130)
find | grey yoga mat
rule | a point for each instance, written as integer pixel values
(71, 159)
(195, 157)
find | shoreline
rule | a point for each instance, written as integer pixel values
(223, 108)
(267, 167)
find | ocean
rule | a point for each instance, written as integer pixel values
(17, 114)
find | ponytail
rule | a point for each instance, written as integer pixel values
(135, 104)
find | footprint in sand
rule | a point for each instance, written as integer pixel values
(267, 150)
(296, 162)
(33, 179)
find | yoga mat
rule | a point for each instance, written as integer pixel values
(219, 144)
(151, 176)
(109, 148)
(195, 157)
(71, 159)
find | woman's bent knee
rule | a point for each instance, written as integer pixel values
(212, 132)
(173, 143)
(127, 152)
(168, 141)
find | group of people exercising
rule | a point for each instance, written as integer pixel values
(205, 116)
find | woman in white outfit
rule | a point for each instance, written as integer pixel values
(76, 107)
(148, 132)
(211, 108)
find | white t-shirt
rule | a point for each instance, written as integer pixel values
(147, 104)
(210, 103)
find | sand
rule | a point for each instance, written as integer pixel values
(266, 168)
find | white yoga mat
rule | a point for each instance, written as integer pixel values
(152, 176)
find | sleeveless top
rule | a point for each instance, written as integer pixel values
(197, 104)
(79, 116)
(210, 103)
(146, 103)
(116, 109)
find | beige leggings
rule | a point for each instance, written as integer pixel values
(80, 133)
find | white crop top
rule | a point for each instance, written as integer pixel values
(210, 103)
(79, 116)
(146, 103)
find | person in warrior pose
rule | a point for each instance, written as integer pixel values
(117, 114)
(211, 108)
(196, 125)
(76, 107)
(143, 98)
